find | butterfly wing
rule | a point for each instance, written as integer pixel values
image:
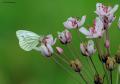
(27, 39)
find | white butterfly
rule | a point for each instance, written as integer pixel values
(28, 40)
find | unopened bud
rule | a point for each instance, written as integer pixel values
(107, 44)
(76, 65)
(98, 79)
(110, 63)
(117, 57)
(59, 50)
(104, 58)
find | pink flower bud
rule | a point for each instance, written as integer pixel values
(68, 36)
(59, 50)
(107, 44)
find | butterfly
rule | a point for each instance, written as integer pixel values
(28, 40)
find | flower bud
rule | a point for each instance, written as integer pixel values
(117, 57)
(104, 58)
(110, 63)
(76, 65)
(65, 37)
(98, 79)
(59, 50)
(87, 49)
(107, 44)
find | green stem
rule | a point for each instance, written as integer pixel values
(71, 51)
(117, 78)
(64, 60)
(100, 53)
(106, 74)
(92, 69)
(83, 78)
(75, 50)
(100, 57)
(93, 65)
(118, 75)
(110, 77)
(67, 70)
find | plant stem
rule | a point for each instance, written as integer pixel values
(67, 70)
(106, 74)
(93, 65)
(90, 65)
(100, 57)
(110, 77)
(100, 53)
(117, 78)
(64, 60)
(75, 50)
(78, 35)
(118, 75)
(85, 80)
(71, 51)
(67, 58)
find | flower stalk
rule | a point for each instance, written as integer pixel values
(93, 65)
(85, 80)
(111, 77)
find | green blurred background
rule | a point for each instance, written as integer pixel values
(43, 17)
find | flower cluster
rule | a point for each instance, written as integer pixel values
(105, 16)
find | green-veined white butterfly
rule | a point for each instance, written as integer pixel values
(28, 40)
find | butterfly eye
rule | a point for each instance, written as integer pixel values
(23, 36)
(60, 37)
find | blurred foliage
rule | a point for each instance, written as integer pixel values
(43, 17)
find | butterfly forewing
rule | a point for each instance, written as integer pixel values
(27, 39)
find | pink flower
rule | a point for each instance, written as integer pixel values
(48, 40)
(87, 49)
(46, 50)
(94, 32)
(65, 36)
(46, 45)
(73, 23)
(106, 14)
